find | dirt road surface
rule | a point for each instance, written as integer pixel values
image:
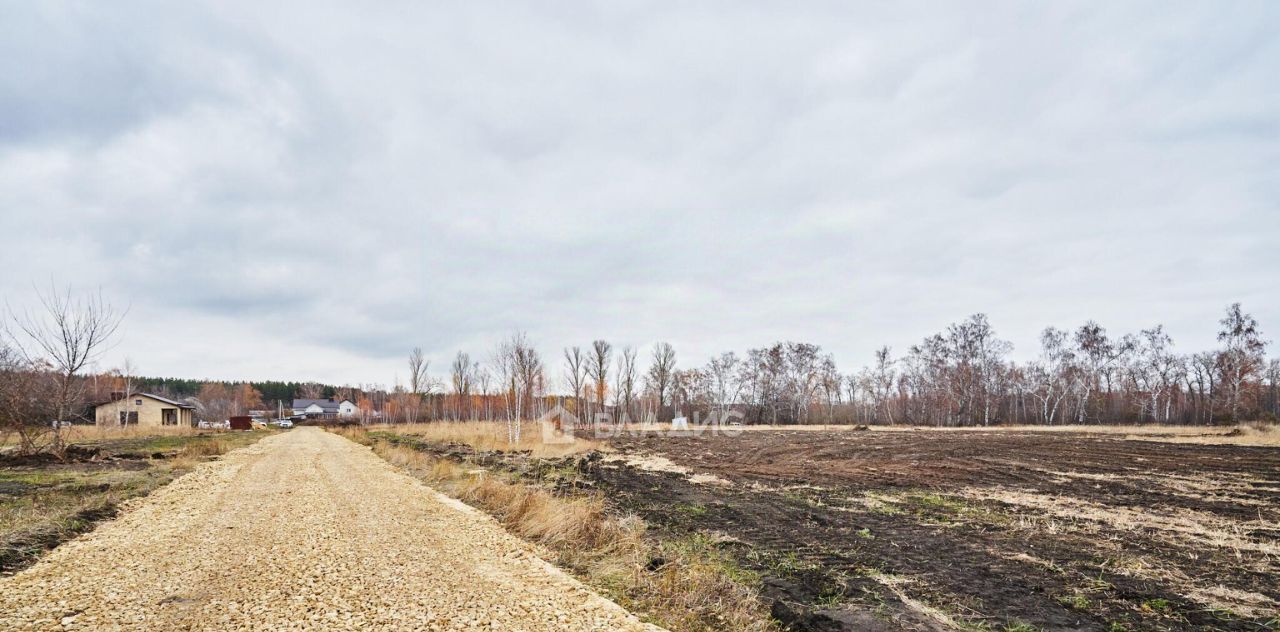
(303, 530)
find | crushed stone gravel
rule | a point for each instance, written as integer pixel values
(302, 530)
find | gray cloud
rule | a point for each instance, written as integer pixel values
(307, 191)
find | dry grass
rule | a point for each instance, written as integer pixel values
(693, 588)
(89, 434)
(352, 433)
(1246, 434)
(1175, 526)
(492, 436)
(207, 447)
(97, 434)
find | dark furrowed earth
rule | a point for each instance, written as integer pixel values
(992, 530)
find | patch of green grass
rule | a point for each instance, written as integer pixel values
(783, 565)
(797, 496)
(865, 534)
(35, 477)
(707, 548)
(870, 571)
(1020, 626)
(1157, 605)
(691, 509)
(887, 509)
(1074, 600)
(937, 501)
(1098, 584)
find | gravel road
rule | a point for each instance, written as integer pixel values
(303, 530)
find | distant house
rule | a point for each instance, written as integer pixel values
(324, 408)
(143, 409)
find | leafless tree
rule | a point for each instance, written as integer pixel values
(988, 359)
(1273, 389)
(1098, 355)
(1242, 356)
(461, 377)
(662, 372)
(519, 368)
(127, 373)
(484, 380)
(829, 381)
(723, 371)
(418, 366)
(1053, 376)
(800, 378)
(881, 383)
(1155, 370)
(67, 333)
(26, 400)
(598, 370)
(575, 374)
(1201, 378)
(625, 382)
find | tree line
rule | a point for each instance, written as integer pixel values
(961, 376)
(270, 391)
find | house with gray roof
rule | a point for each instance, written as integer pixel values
(324, 408)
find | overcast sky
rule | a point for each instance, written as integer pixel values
(310, 190)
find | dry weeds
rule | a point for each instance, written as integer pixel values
(1246, 434)
(91, 434)
(492, 436)
(1175, 526)
(1242, 602)
(94, 434)
(692, 588)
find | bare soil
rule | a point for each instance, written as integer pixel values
(975, 530)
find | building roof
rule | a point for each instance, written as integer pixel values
(158, 398)
(324, 404)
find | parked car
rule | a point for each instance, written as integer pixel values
(285, 423)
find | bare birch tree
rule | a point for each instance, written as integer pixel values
(725, 384)
(1242, 357)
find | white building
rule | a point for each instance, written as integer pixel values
(324, 408)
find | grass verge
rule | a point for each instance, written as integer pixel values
(683, 585)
